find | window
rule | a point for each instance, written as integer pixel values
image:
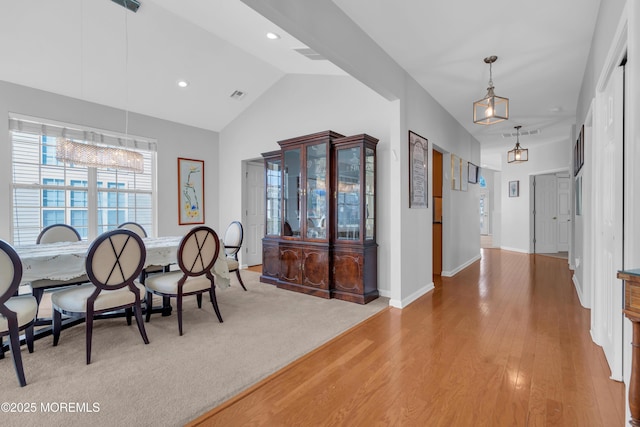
(46, 191)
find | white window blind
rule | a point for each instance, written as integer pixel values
(46, 191)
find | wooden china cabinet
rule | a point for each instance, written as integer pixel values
(320, 216)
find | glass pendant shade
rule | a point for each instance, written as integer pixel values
(97, 156)
(492, 108)
(517, 154)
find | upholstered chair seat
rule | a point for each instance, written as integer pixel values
(75, 299)
(17, 313)
(24, 306)
(168, 283)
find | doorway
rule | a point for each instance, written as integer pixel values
(253, 221)
(552, 213)
(437, 213)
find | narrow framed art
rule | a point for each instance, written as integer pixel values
(514, 188)
(418, 176)
(190, 191)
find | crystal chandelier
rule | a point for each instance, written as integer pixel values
(492, 108)
(98, 156)
(518, 154)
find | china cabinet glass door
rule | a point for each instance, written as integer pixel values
(348, 194)
(274, 194)
(316, 191)
(370, 195)
(291, 192)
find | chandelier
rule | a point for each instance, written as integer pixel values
(518, 154)
(98, 156)
(492, 108)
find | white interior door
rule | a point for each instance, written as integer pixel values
(564, 212)
(608, 236)
(546, 214)
(254, 214)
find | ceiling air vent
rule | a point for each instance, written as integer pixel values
(132, 5)
(522, 132)
(237, 94)
(310, 53)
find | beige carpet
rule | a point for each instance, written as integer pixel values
(173, 379)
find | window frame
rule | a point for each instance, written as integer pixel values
(72, 202)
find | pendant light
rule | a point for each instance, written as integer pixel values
(518, 154)
(492, 108)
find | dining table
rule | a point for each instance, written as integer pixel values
(66, 260)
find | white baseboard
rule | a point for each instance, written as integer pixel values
(460, 268)
(507, 248)
(411, 298)
(576, 284)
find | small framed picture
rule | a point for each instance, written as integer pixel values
(514, 188)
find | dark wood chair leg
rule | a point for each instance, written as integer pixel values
(37, 293)
(1, 348)
(57, 326)
(129, 314)
(214, 302)
(240, 279)
(143, 332)
(14, 342)
(179, 304)
(149, 306)
(89, 325)
(28, 337)
(199, 300)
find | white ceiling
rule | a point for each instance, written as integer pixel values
(85, 48)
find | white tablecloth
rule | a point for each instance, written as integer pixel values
(66, 260)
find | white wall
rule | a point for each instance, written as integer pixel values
(174, 140)
(299, 105)
(515, 211)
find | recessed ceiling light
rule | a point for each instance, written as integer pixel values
(183, 83)
(272, 36)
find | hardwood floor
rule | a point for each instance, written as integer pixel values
(503, 343)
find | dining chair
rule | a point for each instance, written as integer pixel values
(232, 243)
(197, 253)
(114, 262)
(54, 234)
(140, 231)
(17, 313)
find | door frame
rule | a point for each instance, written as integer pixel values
(532, 205)
(247, 237)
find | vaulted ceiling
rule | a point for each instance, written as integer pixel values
(98, 51)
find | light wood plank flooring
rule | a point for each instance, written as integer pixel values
(503, 343)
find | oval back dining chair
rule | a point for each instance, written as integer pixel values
(232, 244)
(58, 233)
(114, 262)
(54, 234)
(17, 313)
(135, 227)
(197, 253)
(140, 231)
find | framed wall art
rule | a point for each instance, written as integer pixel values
(190, 191)
(418, 176)
(514, 188)
(455, 172)
(473, 173)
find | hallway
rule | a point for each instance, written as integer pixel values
(503, 343)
